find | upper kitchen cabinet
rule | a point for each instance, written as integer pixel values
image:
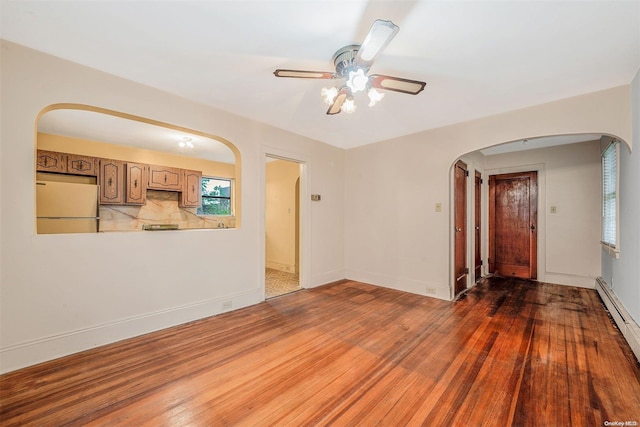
(191, 196)
(82, 165)
(51, 161)
(111, 182)
(164, 178)
(136, 177)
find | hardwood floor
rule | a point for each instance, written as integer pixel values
(510, 352)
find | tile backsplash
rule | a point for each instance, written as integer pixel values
(161, 208)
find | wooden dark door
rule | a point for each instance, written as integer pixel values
(513, 234)
(476, 226)
(460, 230)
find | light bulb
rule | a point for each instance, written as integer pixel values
(329, 94)
(374, 96)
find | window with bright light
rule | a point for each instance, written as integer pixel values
(216, 196)
(610, 196)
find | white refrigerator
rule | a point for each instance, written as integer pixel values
(63, 207)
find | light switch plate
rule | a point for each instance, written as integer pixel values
(554, 209)
(315, 197)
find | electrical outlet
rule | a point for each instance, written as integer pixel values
(438, 209)
(430, 290)
(227, 305)
(554, 209)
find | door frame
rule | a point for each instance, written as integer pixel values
(461, 164)
(303, 226)
(541, 219)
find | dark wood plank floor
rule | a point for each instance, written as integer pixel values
(510, 352)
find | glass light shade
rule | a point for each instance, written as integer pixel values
(374, 97)
(329, 94)
(357, 80)
(349, 106)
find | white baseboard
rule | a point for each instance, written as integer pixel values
(569, 280)
(401, 284)
(281, 266)
(629, 328)
(325, 277)
(52, 347)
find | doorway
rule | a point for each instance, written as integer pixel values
(461, 271)
(513, 227)
(282, 226)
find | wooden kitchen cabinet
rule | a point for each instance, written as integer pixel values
(136, 177)
(82, 165)
(164, 178)
(191, 196)
(111, 181)
(51, 161)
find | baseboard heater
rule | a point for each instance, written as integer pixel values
(629, 328)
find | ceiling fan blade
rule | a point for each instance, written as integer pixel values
(301, 74)
(338, 101)
(378, 38)
(396, 84)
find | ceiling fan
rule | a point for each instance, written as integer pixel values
(352, 63)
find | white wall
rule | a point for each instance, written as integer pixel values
(623, 274)
(65, 293)
(569, 178)
(393, 235)
(280, 215)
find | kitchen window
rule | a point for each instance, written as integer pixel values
(216, 196)
(610, 203)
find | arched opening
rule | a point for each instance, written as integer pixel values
(565, 219)
(148, 175)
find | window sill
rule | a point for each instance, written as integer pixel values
(612, 251)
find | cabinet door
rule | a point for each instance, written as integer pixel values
(51, 161)
(165, 178)
(81, 165)
(111, 181)
(136, 184)
(191, 189)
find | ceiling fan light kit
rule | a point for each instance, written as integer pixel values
(352, 63)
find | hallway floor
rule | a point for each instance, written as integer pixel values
(280, 283)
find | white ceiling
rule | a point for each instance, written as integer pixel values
(478, 57)
(116, 130)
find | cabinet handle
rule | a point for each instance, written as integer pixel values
(109, 181)
(135, 183)
(165, 178)
(45, 160)
(193, 188)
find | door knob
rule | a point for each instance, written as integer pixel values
(533, 227)
(458, 229)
